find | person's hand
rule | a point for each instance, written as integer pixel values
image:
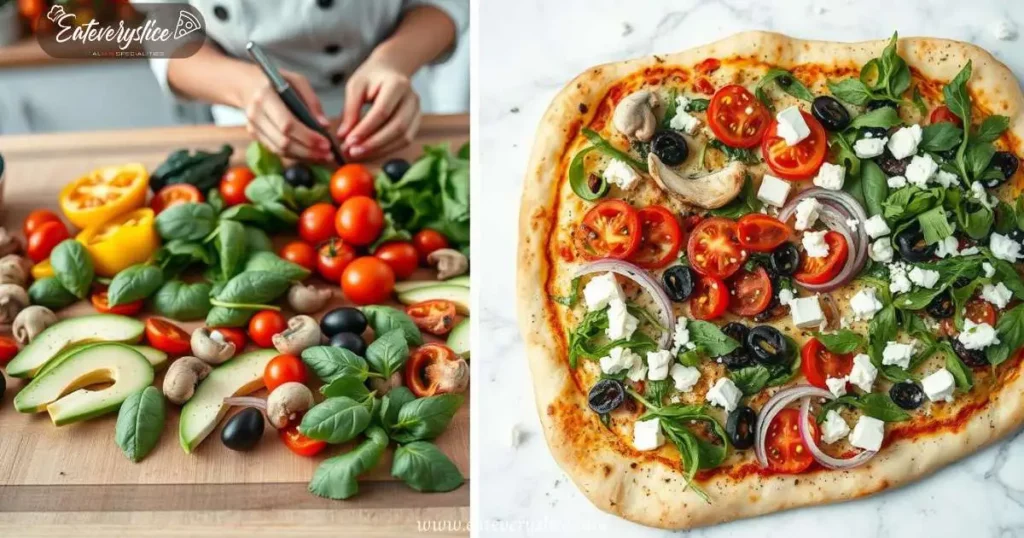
(393, 119)
(270, 121)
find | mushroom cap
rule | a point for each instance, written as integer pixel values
(306, 299)
(449, 262)
(709, 191)
(286, 402)
(32, 321)
(303, 332)
(209, 349)
(634, 115)
(182, 377)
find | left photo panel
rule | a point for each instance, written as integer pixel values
(234, 268)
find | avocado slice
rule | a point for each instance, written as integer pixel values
(62, 391)
(157, 359)
(70, 332)
(458, 339)
(237, 377)
(409, 285)
(456, 294)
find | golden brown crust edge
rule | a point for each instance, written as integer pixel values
(652, 493)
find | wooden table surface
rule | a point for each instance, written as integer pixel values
(74, 479)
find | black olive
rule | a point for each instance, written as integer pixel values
(739, 357)
(606, 396)
(767, 345)
(975, 358)
(910, 242)
(891, 165)
(670, 147)
(873, 132)
(785, 260)
(298, 175)
(1017, 235)
(875, 104)
(350, 341)
(1006, 163)
(679, 281)
(343, 320)
(907, 395)
(830, 112)
(740, 426)
(396, 168)
(244, 430)
(942, 306)
(736, 331)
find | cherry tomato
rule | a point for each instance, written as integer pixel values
(795, 162)
(783, 445)
(332, 258)
(436, 317)
(980, 311)
(300, 253)
(300, 444)
(316, 223)
(714, 249)
(819, 364)
(752, 292)
(710, 298)
(761, 233)
(418, 371)
(36, 219)
(367, 280)
(611, 229)
(101, 303)
(283, 369)
(8, 349)
(401, 256)
(264, 325)
(233, 184)
(660, 237)
(737, 118)
(179, 193)
(351, 180)
(943, 113)
(427, 241)
(167, 337)
(234, 335)
(821, 270)
(44, 238)
(359, 220)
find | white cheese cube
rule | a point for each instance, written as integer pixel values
(638, 371)
(1002, 247)
(785, 296)
(773, 191)
(807, 213)
(969, 251)
(647, 434)
(977, 335)
(863, 373)
(898, 354)
(989, 270)
(898, 281)
(601, 290)
(868, 433)
(903, 143)
(621, 324)
(876, 227)
(806, 312)
(725, 394)
(684, 377)
(979, 193)
(896, 182)
(680, 337)
(618, 359)
(830, 176)
(920, 170)
(867, 148)
(792, 127)
(658, 363)
(926, 278)
(939, 385)
(946, 179)
(947, 247)
(814, 244)
(836, 385)
(881, 251)
(865, 304)
(621, 174)
(999, 295)
(834, 428)
(683, 121)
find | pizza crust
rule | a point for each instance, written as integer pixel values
(651, 491)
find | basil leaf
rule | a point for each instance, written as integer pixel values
(140, 421)
(942, 136)
(267, 189)
(335, 478)
(961, 373)
(335, 420)
(579, 180)
(423, 467)
(795, 87)
(751, 379)
(272, 263)
(182, 301)
(743, 155)
(1007, 274)
(383, 319)
(73, 267)
(349, 387)
(330, 363)
(955, 94)
(697, 105)
(50, 293)
(879, 405)
(262, 161)
(1010, 329)
(842, 341)
(220, 316)
(388, 353)
(190, 221)
(934, 225)
(884, 117)
(710, 338)
(875, 188)
(134, 283)
(574, 294)
(991, 128)
(254, 287)
(392, 403)
(851, 91)
(425, 418)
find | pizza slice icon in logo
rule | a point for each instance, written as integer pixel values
(187, 23)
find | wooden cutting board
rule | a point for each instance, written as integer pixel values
(76, 476)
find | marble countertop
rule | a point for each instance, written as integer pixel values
(529, 49)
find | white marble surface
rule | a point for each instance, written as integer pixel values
(527, 50)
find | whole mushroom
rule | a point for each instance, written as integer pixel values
(449, 262)
(306, 299)
(634, 115)
(14, 269)
(9, 244)
(287, 402)
(211, 346)
(13, 299)
(303, 332)
(31, 321)
(182, 377)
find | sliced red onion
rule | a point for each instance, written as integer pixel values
(819, 455)
(247, 401)
(644, 279)
(773, 406)
(837, 208)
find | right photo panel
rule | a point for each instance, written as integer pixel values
(764, 273)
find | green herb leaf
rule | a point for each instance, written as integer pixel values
(425, 418)
(140, 421)
(710, 338)
(220, 316)
(934, 225)
(884, 117)
(697, 105)
(134, 283)
(875, 187)
(254, 287)
(991, 129)
(879, 405)
(335, 420)
(73, 267)
(330, 363)
(607, 148)
(1010, 329)
(335, 478)
(942, 136)
(384, 319)
(50, 293)
(744, 204)
(958, 100)
(851, 91)
(424, 467)
(182, 301)
(392, 403)
(230, 247)
(751, 379)
(388, 353)
(349, 387)
(794, 88)
(272, 263)
(262, 161)
(189, 221)
(842, 341)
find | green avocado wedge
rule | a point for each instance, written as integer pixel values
(239, 376)
(409, 285)
(458, 339)
(71, 332)
(63, 390)
(157, 359)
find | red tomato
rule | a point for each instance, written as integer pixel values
(760, 232)
(367, 280)
(283, 369)
(436, 317)
(819, 364)
(167, 337)
(714, 249)
(179, 193)
(980, 311)
(611, 229)
(821, 270)
(233, 184)
(351, 180)
(660, 238)
(333, 257)
(795, 162)
(36, 219)
(752, 292)
(234, 335)
(418, 369)
(359, 221)
(100, 302)
(943, 113)
(401, 256)
(300, 253)
(316, 223)
(8, 349)
(427, 241)
(300, 444)
(708, 66)
(737, 118)
(710, 298)
(783, 445)
(264, 325)
(44, 238)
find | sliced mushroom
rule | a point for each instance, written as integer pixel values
(634, 115)
(14, 270)
(9, 244)
(303, 332)
(13, 299)
(182, 377)
(709, 191)
(211, 346)
(383, 386)
(449, 262)
(30, 322)
(306, 299)
(287, 402)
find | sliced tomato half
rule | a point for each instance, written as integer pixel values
(436, 316)
(660, 238)
(819, 364)
(783, 445)
(611, 229)
(761, 233)
(751, 292)
(980, 311)
(170, 195)
(710, 298)
(943, 113)
(167, 336)
(737, 118)
(101, 302)
(821, 270)
(714, 248)
(797, 162)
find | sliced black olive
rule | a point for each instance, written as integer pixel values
(767, 345)
(395, 168)
(606, 396)
(830, 112)
(350, 341)
(670, 147)
(244, 430)
(785, 259)
(975, 358)
(910, 242)
(1006, 163)
(298, 175)
(343, 320)
(891, 165)
(873, 132)
(739, 357)
(875, 104)
(907, 394)
(740, 426)
(942, 306)
(737, 331)
(679, 281)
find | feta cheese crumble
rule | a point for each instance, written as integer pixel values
(939, 385)
(865, 304)
(680, 336)
(773, 191)
(868, 433)
(896, 182)
(684, 377)
(898, 354)
(785, 296)
(620, 174)
(977, 335)
(903, 142)
(806, 312)
(999, 294)
(658, 363)
(946, 179)
(947, 247)
(815, 245)
(876, 227)
(921, 169)
(618, 359)
(830, 176)
(898, 281)
(1002, 247)
(792, 127)
(881, 250)
(683, 121)
(621, 324)
(807, 213)
(868, 148)
(863, 373)
(601, 290)
(647, 434)
(926, 278)
(725, 394)
(834, 428)
(836, 385)
(989, 270)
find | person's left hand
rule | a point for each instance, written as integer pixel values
(393, 119)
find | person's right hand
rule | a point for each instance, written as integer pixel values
(270, 121)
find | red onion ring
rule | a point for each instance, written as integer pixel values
(772, 408)
(837, 208)
(818, 454)
(644, 279)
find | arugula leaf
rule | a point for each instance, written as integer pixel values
(842, 341)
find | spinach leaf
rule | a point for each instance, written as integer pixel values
(182, 301)
(254, 287)
(256, 240)
(272, 263)
(134, 283)
(875, 188)
(424, 467)
(335, 420)
(335, 478)
(387, 354)
(230, 247)
(177, 255)
(268, 189)
(73, 267)
(425, 418)
(216, 201)
(247, 214)
(50, 293)
(190, 221)
(330, 363)
(851, 91)
(842, 341)
(221, 316)
(383, 319)
(262, 161)
(942, 136)
(140, 421)
(884, 117)
(307, 196)
(708, 337)
(389, 233)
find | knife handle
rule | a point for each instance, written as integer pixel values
(298, 107)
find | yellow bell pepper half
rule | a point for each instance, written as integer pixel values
(42, 270)
(121, 242)
(104, 194)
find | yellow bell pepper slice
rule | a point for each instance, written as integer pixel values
(121, 242)
(42, 270)
(104, 194)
